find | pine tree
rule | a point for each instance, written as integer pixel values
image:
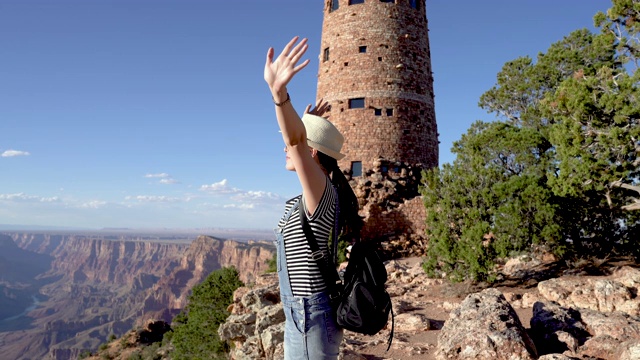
(196, 328)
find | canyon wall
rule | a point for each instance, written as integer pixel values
(87, 288)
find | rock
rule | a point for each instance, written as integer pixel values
(600, 347)
(238, 327)
(529, 299)
(618, 325)
(411, 323)
(519, 267)
(556, 329)
(261, 297)
(272, 314)
(600, 295)
(556, 357)
(629, 350)
(272, 340)
(485, 326)
(248, 350)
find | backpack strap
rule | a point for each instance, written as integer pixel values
(393, 325)
(322, 257)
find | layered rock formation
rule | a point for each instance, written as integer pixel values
(89, 288)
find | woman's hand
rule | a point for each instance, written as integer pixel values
(278, 72)
(321, 108)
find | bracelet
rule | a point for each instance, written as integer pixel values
(282, 103)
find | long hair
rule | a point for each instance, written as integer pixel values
(349, 221)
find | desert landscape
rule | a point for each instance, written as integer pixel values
(62, 294)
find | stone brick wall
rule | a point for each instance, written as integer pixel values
(388, 195)
(379, 51)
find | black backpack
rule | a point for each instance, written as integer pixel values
(365, 304)
(360, 301)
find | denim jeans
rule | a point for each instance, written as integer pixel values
(310, 330)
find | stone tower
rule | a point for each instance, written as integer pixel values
(375, 72)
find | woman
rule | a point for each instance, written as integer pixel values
(312, 147)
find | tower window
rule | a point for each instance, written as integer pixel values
(377, 112)
(325, 54)
(406, 131)
(414, 3)
(356, 168)
(379, 58)
(334, 5)
(362, 49)
(356, 103)
(353, 2)
(389, 112)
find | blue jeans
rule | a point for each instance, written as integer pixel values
(310, 330)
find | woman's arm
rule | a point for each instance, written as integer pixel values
(278, 73)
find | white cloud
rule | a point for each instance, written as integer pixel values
(240, 206)
(219, 188)
(242, 199)
(160, 175)
(22, 197)
(154, 199)
(257, 195)
(95, 204)
(165, 178)
(12, 153)
(169, 181)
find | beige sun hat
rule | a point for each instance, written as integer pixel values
(323, 136)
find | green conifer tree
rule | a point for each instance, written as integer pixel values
(196, 328)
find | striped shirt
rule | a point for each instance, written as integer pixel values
(304, 274)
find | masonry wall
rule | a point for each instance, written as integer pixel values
(378, 54)
(375, 72)
(390, 201)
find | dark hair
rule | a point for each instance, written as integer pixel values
(349, 222)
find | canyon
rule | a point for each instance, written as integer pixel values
(61, 294)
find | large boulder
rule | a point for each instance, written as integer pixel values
(619, 293)
(484, 326)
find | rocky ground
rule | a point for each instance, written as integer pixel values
(536, 311)
(421, 312)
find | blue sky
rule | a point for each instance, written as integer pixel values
(155, 114)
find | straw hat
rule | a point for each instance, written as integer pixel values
(323, 136)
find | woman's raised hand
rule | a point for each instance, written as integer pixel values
(278, 72)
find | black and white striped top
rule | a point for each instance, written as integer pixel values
(304, 274)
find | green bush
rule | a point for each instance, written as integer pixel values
(196, 328)
(272, 264)
(135, 356)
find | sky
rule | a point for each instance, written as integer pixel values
(154, 114)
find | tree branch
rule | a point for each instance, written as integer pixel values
(626, 186)
(636, 203)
